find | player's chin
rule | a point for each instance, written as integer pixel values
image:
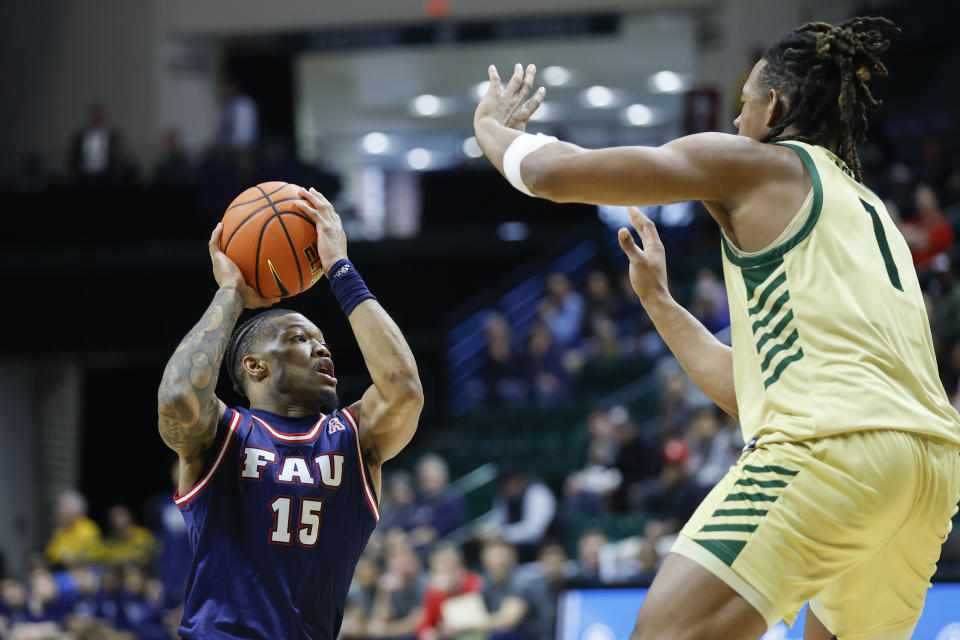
(327, 399)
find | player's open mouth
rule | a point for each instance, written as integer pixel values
(325, 370)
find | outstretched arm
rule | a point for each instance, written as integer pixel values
(713, 167)
(389, 410)
(707, 361)
(187, 407)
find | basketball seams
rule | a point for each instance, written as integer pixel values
(240, 204)
(247, 219)
(256, 264)
(293, 249)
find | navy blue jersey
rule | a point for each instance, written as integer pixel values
(277, 524)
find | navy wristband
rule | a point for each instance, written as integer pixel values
(348, 286)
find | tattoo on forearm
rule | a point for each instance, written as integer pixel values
(187, 406)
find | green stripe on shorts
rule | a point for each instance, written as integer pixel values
(771, 468)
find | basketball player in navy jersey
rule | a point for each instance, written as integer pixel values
(281, 498)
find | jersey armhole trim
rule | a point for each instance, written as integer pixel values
(778, 251)
(368, 491)
(184, 500)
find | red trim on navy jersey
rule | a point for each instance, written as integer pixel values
(182, 501)
(367, 489)
(292, 437)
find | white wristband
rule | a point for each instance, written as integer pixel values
(520, 148)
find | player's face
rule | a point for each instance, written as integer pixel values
(755, 106)
(301, 363)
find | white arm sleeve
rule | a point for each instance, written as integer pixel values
(522, 146)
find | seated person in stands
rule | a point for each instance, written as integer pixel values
(673, 495)
(448, 578)
(588, 558)
(440, 509)
(503, 371)
(397, 606)
(523, 510)
(511, 614)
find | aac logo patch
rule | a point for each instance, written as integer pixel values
(334, 425)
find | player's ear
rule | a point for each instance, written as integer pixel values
(255, 367)
(776, 107)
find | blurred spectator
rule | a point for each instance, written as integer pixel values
(399, 504)
(128, 542)
(675, 407)
(360, 598)
(94, 149)
(714, 446)
(76, 540)
(588, 490)
(638, 457)
(397, 609)
(673, 495)
(440, 508)
(503, 371)
(166, 521)
(542, 583)
(505, 599)
(523, 511)
(709, 303)
(239, 118)
(562, 310)
(934, 169)
(174, 166)
(928, 232)
(448, 578)
(546, 376)
(139, 601)
(588, 557)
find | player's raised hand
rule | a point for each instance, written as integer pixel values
(228, 274)
(509, 105)
(331, 239)
(648, 265)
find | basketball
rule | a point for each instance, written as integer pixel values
(271, 240)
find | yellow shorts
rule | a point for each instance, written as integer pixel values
(852, 523)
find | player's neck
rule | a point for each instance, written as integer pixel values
(284, 407)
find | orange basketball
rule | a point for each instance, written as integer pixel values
(271, 240)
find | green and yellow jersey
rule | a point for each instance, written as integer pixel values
(829, 330)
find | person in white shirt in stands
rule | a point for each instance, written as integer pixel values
(239, 119)
(523, 511)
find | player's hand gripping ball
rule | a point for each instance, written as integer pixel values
(272, 241)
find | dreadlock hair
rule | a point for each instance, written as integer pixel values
(244, 340)
(823, 71)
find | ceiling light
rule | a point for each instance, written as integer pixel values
(666, 82)
(418, 158)
(598, 97)
(375, 142)
(426, 105)
(639, 115)
(471, 149)
(479, 89)
(555, 76)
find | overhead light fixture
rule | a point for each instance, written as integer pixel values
(375, 142)
(639, 115)
(666, 82)
(546, 111)
(598, 97)
(470, 148)
(556, 76)
(479, 89)
(418, 158)
(426, 104)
